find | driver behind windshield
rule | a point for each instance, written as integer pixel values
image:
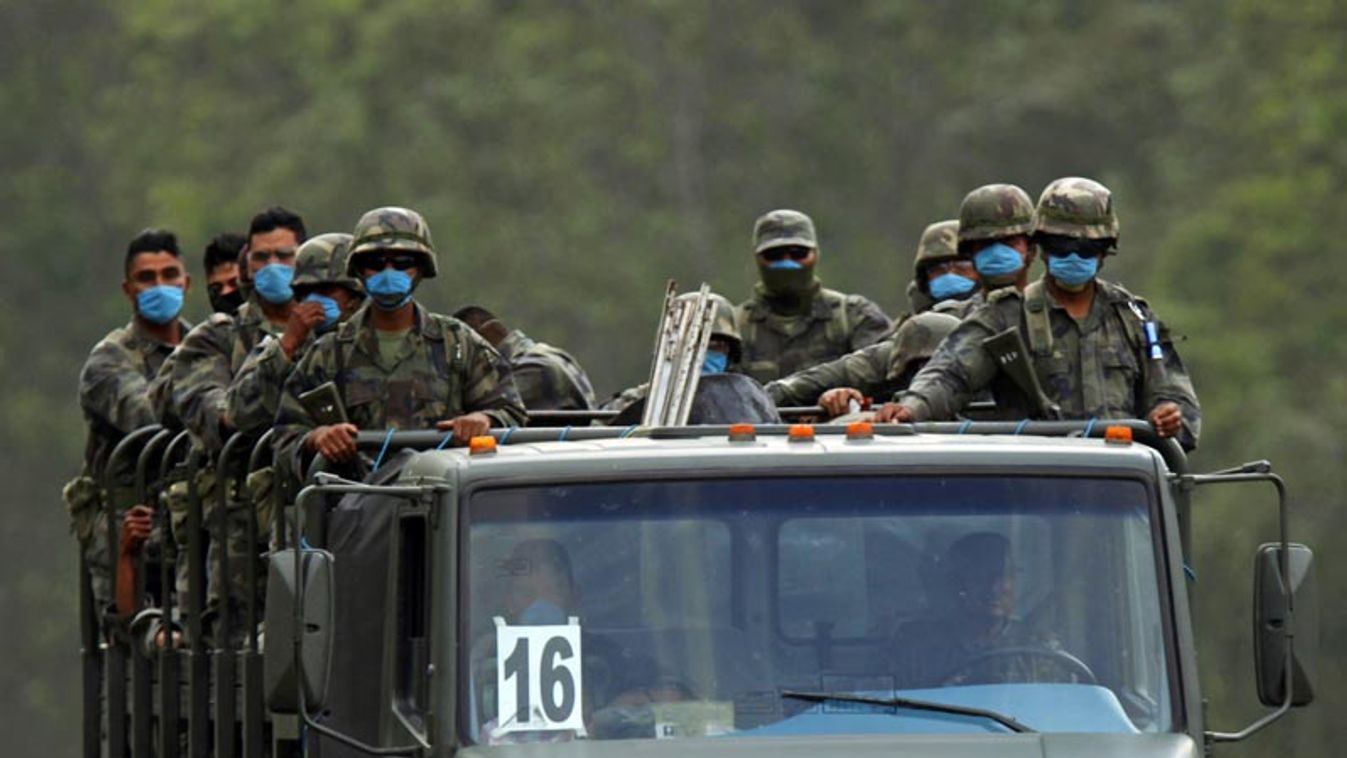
(978, 640)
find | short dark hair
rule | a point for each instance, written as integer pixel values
(277, 217)
(224, 248)
(151, 241)
(474, 315)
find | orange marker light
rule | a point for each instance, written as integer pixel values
(802, 433)
(742, 433)
(481, 445)
(1118, 435)
(860, 430)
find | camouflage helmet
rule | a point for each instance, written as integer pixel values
(939, 242)
(783, 227)
(994, 211)
(917, 340)
(393, 228)
(322, 260)
(723, 323)
(1077, 207)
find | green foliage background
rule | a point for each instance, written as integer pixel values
(571, 156)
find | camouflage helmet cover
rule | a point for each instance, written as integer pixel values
(322, 260)
(393, 228)
(917, 340)
(723, 324)
(1077, 207)
(994, 211)
(783, 227)
(939, 242)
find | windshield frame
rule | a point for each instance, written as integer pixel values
(1158, 529)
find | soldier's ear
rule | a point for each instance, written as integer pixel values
(186, 282)
(129, 290)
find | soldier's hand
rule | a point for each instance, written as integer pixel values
(837, 401)
(894, 413)
(466, 427)
(137, 525)
(1167, 419)
(335, 442)
(303, 318)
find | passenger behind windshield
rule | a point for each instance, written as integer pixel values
(979, 639)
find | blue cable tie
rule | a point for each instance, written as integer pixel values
(449, 435)
(304, 543)
(505, 436)
(383, 450)
(966, 423)
(627, 432)
(1188, 572)
(1089, 427)
(565, 430)
(1020, 427)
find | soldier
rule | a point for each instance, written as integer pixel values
(995, 221)
(879, 370)
(548, 378)
(724, 393)
(114, 380)
(793, 322)
(394, 364)
(1097, 350)
(222, 272)
(321, 280)
(939, 275)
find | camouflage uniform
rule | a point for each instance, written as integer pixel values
(548, 378)
(113, 396)
(878, 371)
(1100, 367)
(784, 332)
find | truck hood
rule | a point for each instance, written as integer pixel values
(869, 746)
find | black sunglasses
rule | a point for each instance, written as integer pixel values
(381, 261)
(796, 253)
(1060, 247)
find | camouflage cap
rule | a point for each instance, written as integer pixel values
(393, 228)
(1077, 207)
(995, 210)
(783, 227)
(939, 242)
(723, 323)
(917, 340)
(322, 260)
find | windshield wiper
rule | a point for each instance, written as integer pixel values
(910, 704)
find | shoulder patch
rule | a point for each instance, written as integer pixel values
(1004, 293)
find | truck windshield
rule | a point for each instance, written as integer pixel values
(669, 609)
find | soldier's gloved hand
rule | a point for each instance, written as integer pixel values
(895, 413)
(1167, 419)
(335, 442)
(137, 525)
(837, 401)
(304, 317)
(466, 427)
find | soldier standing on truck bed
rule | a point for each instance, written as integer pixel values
(547, 377)
(940, 277)
(1096, 349)
(792, 321)
(113, 385)
(221, 261)
(394, 364)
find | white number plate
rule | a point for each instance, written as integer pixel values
(538, 678)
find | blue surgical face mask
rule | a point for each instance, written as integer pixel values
(542, 613)
(159, 304)
(391, 289)
(998, 259)
(785, 263)
(1072, 270)
(331, 311)
(272, 282)
(950, 285)
(715, 362)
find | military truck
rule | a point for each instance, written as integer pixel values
(976, 588)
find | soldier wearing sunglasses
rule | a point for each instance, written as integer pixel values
(792, 322)
(394, 364)
(1098, 350)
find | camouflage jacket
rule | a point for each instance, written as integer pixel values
(114, 387)
(548, 378)
(443, 369)
(1098, 368)
(866, 370)
(255, 394)
(776, 345)
(206, 363)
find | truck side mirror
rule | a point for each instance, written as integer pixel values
(281, 670)
(1271, 598)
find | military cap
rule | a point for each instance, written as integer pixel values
(994, 211)
(393, 228)
(939, 242)
(783, 227)
(322, 260)
(1077, 207)
(918, 338)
